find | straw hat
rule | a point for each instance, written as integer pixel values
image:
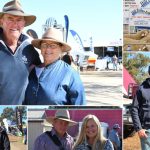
(62, 115)
(52, 35)
(15, 8)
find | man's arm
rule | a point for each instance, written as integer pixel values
(76, 91)
(142, 133)
(135, 109)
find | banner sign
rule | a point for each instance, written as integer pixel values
(77, 39)
(66, 26)
(137, 12)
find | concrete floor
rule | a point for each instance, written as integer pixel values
(103, 88)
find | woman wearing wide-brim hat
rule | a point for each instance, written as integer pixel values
(56, 83)
(16, 53)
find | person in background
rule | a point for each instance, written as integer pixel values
(67, 58)
(16, 53)
(129, 48)
(56, 83)
(57, 138)
(25, 134)
(91, 137)
(4, 140)
(115, 62)
(77, 62)
(140, 112)
(108, 60)
(114, 137)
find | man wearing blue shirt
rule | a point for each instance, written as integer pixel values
(16, 53)
(114, 137)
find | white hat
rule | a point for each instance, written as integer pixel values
(52, 35)
(62, 115)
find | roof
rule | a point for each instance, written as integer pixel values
(36, 114)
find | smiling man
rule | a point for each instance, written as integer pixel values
(57, 138)
(16, 53)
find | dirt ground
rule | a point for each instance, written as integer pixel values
(16, 143)
(131, 143)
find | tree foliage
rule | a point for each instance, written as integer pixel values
(136, 64)
(23, 111)
(10, 113)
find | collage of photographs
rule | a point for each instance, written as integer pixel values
(77, 75)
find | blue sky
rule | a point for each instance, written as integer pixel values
(97, 18)
(3, 107)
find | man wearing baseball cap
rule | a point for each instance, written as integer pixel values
(114, 137)
(57, 138)
(16, 53)
(140, 112)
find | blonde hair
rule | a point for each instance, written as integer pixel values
(99, 137)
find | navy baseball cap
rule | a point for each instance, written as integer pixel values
(116, 126)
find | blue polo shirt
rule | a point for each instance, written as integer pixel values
(14, 70)
(58, 84)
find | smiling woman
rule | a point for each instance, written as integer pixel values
(50, 52)
(56, 83)
(91, 137)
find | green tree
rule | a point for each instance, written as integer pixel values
(23, 110)
(136, 64)
(8, 113)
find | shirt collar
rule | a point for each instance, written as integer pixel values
(52, 64)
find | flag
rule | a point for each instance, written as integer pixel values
(91, 44)
(77, 39)
(66, 26)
